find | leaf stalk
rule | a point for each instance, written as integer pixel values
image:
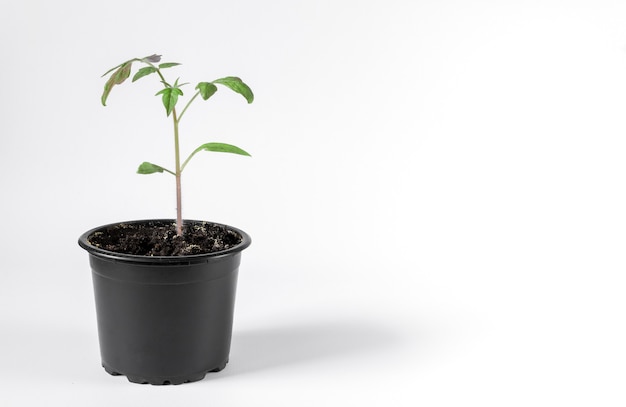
(187, 105)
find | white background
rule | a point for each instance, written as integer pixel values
(436, 196)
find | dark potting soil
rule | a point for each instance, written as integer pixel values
(160, 239)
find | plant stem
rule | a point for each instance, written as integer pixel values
(177, 174)
(179, 216)
(187, 105)
(158, 71)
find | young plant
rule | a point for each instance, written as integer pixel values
(170, 94)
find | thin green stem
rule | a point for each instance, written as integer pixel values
(158, 71)
(182, 167)
(187, 105)
(177, 173)
(178, 170)
(179, 217)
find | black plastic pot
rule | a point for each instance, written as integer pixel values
(164, 320)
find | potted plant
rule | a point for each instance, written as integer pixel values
(165, 289)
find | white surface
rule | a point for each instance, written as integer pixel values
(436, 196)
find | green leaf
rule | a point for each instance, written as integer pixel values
(177, 85)
(216, 147)
(122, 73)
(221, 148)
(207, 89)
(144, 72)
(111, 70)
(119, 76)
(149, 168)
(238, 86)
(170, 97)
(149, 59)
(168, 65)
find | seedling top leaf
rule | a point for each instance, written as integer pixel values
(170, 97)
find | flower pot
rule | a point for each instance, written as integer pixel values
(164, 319)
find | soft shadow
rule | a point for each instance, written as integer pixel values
(41, 351)
(261, 350)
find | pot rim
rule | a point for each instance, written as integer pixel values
(83, 241)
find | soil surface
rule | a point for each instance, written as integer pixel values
(159, 239)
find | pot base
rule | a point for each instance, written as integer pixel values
(161, 381)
